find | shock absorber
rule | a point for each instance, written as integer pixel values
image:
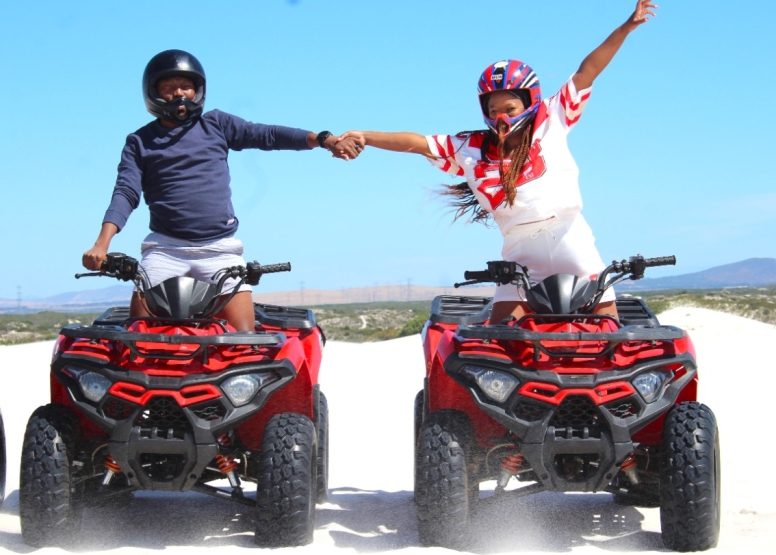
(111, 468)
(226, 463)
(629, 468)
(510, 465)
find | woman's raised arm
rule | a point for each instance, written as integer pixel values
(592, 66)
(403, 141)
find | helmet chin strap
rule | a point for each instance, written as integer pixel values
(171, 109)
(502, 127)
(513, 124)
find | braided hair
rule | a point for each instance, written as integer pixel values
(462, 199)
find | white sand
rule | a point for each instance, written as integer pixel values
(371, 388)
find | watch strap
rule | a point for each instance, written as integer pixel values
(322, 136)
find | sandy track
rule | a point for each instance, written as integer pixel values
(370, 388)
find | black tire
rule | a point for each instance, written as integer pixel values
(322, 458)
(418, 414)
(3, 465)
(49, 509)
(418, 420)
(690, 479)
(442, 490)
(285, 491)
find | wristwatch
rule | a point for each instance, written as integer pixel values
(322, 136)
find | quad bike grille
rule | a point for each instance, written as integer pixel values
(625, 408)
(576, 468)
(212, 410)
(578, 414)
(529, 412)
(162, 467)
(165, 415)
(116, 409)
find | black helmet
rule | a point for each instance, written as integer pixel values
(172, 63)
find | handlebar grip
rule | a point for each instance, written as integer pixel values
(273, 268)
(482, 275)
(660, 261)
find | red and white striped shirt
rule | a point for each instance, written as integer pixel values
(548, 186)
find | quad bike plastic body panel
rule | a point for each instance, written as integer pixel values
(564, 364)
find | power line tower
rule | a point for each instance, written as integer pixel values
(19, 299)
(301, 293)
(409, 289)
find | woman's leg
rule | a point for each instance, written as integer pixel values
(504, 309)
(607, 308)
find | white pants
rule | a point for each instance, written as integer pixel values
(165, 257)
(552, 247)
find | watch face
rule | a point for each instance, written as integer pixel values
(322, 136)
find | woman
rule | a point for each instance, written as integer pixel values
(519, 171)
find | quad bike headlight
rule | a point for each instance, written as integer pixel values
(650, 384)
(241, 389)
(496, 385)
(94, 386)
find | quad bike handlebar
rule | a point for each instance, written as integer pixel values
(125, 268)
(504, 272)
(637, 264)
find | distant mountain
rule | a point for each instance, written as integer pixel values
(92, 300)
(747, 273)
(752, 272)
(114, 293)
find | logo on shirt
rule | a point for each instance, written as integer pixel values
(491, 187)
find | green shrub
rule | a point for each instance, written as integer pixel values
(414, 326)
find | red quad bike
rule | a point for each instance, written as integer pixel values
(564, 400)
(2, 460)
(175, 401)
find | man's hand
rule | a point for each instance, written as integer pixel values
(346, 148)
(94, 257)
(403, 141)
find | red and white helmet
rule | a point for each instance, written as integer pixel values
(518, 78)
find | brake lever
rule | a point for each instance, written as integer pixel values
(470, 282)
(87, 274)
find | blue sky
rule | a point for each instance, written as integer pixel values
(675, 149)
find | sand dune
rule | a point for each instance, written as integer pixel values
(371, 389)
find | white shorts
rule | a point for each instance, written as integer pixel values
(165, 257)
(552, 247)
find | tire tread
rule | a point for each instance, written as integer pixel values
(285, 495)
(689, 486)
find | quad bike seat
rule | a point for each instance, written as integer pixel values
(284, 317)
(113, 316)
(635, 312)
(448, 309)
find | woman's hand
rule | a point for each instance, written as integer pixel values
(644, 10)
(402, 141)
(343, 147)
(598, 59)
(357, 136)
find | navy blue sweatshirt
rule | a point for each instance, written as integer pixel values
(183, 173)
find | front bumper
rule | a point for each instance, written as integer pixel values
(560, 419)
(163, 430)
